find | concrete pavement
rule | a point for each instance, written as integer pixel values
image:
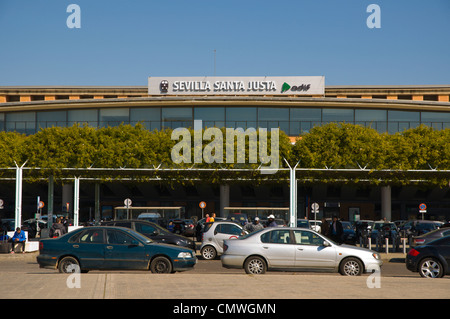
(49, 284)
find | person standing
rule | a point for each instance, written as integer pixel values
(336, 230)
(57, 229)
(271, 221)
(255, 226)
(324, 227)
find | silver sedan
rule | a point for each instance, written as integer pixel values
(296, 249)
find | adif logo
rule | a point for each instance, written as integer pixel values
(164, 86)
(286, 87)
(213, 152)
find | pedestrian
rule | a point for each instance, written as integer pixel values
(324, 227)
(336, 231)
(57, 229)
(207, 218)
(255, 226)
(19, 237)
(271, 221)
(212, 218)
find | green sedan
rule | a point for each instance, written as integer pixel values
(111, 248)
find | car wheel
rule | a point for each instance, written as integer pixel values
(255, 266)
(208, 252)
(68, 265)
(431, 268)
(351, 267)
(161, 265)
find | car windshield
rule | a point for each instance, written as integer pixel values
(346, 226)
(139, 236)
(385, 226)
(303, 223)
(425, 226)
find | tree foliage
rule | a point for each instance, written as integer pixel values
(421, 154)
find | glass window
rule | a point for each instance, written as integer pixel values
(174, 117)
(144, 228)
(306, 115)
(89, 117)
(22, 122)
(149, 117)
(403, 116)
(116, 237)
(243, 117)
(370, 115)
(241, 114)
(337, 115)
(229, 229)
(304, 237)
(273, 114)
(92, 236)
(276, 236)
(210, 116)
(435, 117)
(51, 118)
(2, 121)
(114, 117)
(273, 118)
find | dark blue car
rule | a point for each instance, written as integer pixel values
(105, 247)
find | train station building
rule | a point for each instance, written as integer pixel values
(293, 104)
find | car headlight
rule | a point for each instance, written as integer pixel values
(184, 255)
(376, 256)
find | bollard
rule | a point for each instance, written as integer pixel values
(404, 245)
(387, 245)
(370, 243)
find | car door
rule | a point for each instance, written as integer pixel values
(311, 253)
(89, 247)
(226, 231)
(123, 251)
(278, 248)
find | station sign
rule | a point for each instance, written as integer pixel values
(265, 85)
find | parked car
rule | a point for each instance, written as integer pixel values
(303, 223)
(154, 218)
(213, 236)
(316, 225)
(363, 229)
(430, 236)
(240, 218)
(153, 231)
(296, 249)
(417, 228)
(349, 233)
(104, 247)
(430, 260)
(382, 230)
(201, 224)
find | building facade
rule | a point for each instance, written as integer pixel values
(389, 109)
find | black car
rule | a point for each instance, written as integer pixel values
(154, 232)
(349, 233)
(430, 236)
(431, 260)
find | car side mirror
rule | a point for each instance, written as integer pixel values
(155, 233)
(326, 244)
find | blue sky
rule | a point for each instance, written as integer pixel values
(124, 42)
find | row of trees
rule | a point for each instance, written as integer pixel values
(419, 154)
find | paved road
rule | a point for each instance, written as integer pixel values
(23, 279)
